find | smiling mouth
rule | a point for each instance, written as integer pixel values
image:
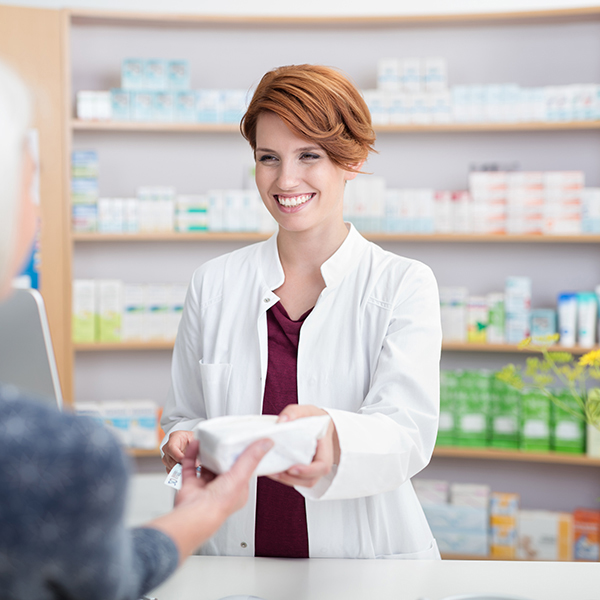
(290, 201)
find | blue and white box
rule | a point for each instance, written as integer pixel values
(185, 106)
(142, 106)
(121, 104)
(155, 74)
(164, 106)
(132, 74)
(178, 74)
(209, 106)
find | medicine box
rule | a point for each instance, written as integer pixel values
(84, 311)
(132, 74)
(470, 494)
(568, 433)
(143, 424)
(543, 325)
(448, 390)
(155, 74)
(586, 532)
(109, 299)
(116, 418)
(121, 104)
(134, 308)
(505, 415)
(185, 106)
(535, 421)
(592, 441)
(545, 535)
(84, 164)
(431, 491)
(178, 74)
(473, 400)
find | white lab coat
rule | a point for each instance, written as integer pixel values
(368, 354)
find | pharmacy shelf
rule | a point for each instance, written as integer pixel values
(473, 347)
(243, 236)
(84, 125)
(111, 346)
(78, 125)
(516, 456)
(446, 346)
(477, 453)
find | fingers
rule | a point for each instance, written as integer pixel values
(297, 411)
(188, 464)
(174, 449)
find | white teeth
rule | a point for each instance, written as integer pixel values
(294, 200)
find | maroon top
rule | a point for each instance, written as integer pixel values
(280, 509)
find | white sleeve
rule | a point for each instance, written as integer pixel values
(392, 436)
(184, 407)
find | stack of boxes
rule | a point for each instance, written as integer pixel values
(107, 310)
(459, 520)
(84, 190)
(478, 410)
(135, 423)
(466, 519)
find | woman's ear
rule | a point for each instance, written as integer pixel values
(355, 168)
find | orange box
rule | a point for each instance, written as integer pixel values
(586, 534)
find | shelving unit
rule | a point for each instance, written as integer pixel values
(206, 156)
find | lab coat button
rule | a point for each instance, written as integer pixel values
(244, 545)
(266, 300)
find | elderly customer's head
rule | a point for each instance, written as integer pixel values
(17, 212)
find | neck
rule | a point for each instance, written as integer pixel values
(308, 250)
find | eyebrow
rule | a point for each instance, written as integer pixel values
(305, 149)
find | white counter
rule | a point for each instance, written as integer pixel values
(212, 578)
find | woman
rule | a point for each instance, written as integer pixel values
(316, 320)
(63, 478)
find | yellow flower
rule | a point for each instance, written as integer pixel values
(591, 359)
(524, 343)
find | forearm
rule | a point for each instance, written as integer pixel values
(190, 526)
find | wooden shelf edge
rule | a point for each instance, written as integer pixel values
(130, 17)
(111, 346)
(149, 126)
(512, 348)
(373, 236)
(516, 455)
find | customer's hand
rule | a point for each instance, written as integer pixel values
(326, 455)
(229, 491)
(175, 448)
(203, 503)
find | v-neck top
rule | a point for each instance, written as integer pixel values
(280, 529)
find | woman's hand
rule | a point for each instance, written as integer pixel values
(327, 454)
(174, 449)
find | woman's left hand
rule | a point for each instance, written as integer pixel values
(327, 454)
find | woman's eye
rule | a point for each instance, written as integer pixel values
(266, 158)
(309, 156)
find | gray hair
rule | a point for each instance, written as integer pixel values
(15, 118)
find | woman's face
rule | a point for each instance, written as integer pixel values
(300, 186)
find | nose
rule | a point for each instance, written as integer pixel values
(288, 177)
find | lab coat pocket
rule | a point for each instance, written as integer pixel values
(215, 383)
(431, 553)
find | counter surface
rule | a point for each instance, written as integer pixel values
(212, 578)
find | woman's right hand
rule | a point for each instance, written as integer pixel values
(175, 448)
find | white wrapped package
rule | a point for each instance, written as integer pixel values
(223, 439)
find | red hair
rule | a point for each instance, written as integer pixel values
(319, 104)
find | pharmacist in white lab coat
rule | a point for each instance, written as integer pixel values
(363, 331)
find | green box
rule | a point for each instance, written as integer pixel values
(472, 406)
(568, 431)
(505, 413)
(536, 422)
(447, 424)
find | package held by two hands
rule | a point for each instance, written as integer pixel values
(223, 439)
